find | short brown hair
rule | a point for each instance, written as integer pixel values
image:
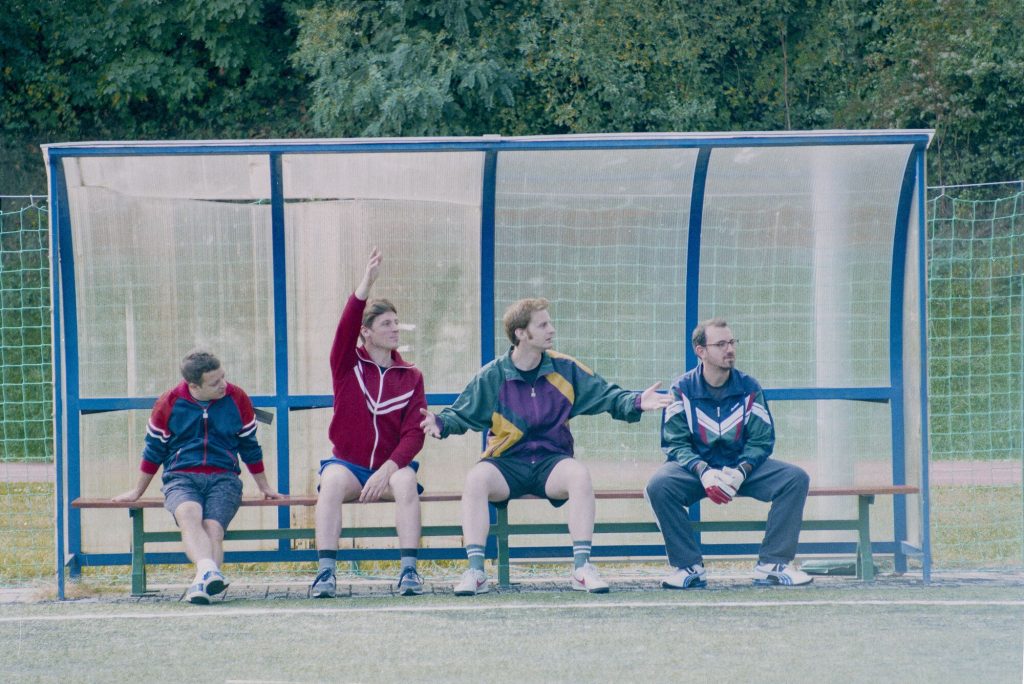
(517, 315)
(700, 333)
(197, 363)
(374, 308)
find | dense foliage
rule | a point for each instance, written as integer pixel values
(138, 69)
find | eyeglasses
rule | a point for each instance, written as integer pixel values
(721, 346)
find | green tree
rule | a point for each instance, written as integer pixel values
(137, 69)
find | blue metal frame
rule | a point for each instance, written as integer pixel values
(56, 204)
(486, 144)
(922, 277)
(70, 406)
(70, 395)
(281, 377)
(896, 299)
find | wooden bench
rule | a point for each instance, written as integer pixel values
(502, 529)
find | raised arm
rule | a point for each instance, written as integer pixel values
(343, 350)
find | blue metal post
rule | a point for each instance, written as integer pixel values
(59, 454)
(281, 379)
(922, 278)
(693, 243)
(487, 343)
(896, 318)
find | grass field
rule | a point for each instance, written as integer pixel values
(836, 630)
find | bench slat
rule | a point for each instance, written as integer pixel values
(612, 494)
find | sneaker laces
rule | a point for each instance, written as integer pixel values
(324, 574)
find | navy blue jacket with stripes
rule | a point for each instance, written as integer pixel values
(183, 435)
(737, 428)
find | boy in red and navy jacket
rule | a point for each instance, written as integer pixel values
(198, 431)
(375, 432)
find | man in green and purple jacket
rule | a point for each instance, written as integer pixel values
(524, 401)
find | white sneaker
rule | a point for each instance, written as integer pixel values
(785, 574)
(587, 578)
(197, 594)
(690, 577)
(473, 582)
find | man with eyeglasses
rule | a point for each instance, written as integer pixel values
(718, 436)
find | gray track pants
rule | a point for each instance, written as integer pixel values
(673, 488)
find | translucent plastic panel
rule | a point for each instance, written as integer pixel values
(157, 277)
(423, 211)
(796, 252)
(111, 447)
(602, 234)
(210, 177)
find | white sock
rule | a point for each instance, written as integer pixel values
(204, 566)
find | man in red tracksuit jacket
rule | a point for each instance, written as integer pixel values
(198, 432)
(375, 432)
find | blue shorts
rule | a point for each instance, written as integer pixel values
(362, 474)
(219, 494)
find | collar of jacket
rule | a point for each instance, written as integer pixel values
(396, 358)
(510, 371)
(183, 393)
(733, 386)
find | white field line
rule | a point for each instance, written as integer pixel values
(206, 613)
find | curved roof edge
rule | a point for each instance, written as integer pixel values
(497, 142)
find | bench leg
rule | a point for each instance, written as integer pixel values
(500, 532)
(865, 561)
(138, 552)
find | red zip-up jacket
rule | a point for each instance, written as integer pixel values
(376, 410)
(183, 435)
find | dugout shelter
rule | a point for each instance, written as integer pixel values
(811, 244)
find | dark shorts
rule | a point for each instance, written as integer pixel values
(219, 494)
(526, 475)
(362, 474)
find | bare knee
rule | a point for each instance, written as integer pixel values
(574, 479)
(403, 485)
(336, 486)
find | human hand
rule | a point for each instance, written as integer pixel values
(377, 483)
(370, 275)
(271, 494)
(714, 486)
(651, 400)
(733, 477)
(429, 424)
(130, 495)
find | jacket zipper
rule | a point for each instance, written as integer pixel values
(206, 433)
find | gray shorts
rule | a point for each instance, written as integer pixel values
(219, 494)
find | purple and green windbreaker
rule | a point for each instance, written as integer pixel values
(533, 419)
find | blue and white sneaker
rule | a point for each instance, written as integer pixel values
(325, 585)
(780, 574)
(197, 595)
(409, 582)
(690, 577)
(214, 582)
